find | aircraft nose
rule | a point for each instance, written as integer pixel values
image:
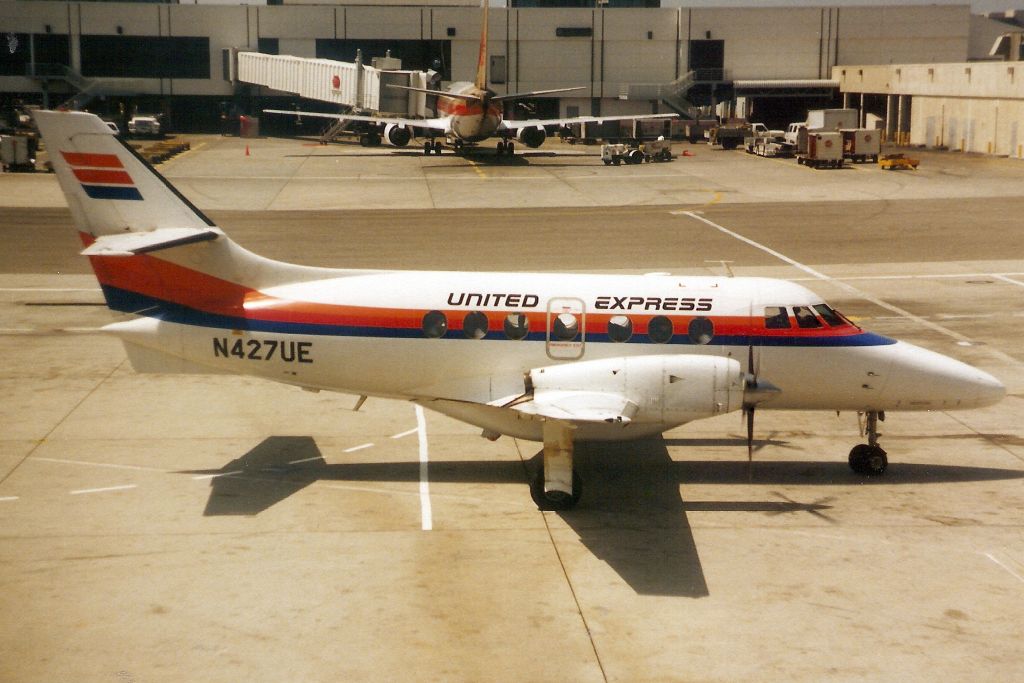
(925, 380)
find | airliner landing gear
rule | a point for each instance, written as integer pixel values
(869, 458)
(432, 146)
(556, 485)
(506, 147)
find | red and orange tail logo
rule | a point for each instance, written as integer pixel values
(481, 62)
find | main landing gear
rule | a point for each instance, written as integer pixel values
(869, 458)
(432, 147)
(506, 147)
(557, 486)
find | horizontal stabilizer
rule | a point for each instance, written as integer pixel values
(440, 93)
(580, 406)
(534, 93)
(132, 243)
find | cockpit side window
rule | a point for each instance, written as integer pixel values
(805, 317)
(829, 315)
(776, 318)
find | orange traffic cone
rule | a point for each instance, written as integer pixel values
(247, 150)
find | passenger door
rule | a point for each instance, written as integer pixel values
(566, 328)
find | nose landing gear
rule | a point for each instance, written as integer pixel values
(869, 458)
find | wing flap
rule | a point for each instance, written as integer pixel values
(132, 243)
(580, 406)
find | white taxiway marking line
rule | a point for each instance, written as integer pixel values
(296, 462)
(50, 289)
(214, 476)
(358, 448)
(933, 276)
(405, 433)
(6, 498)
(1010, 280)
(1012, 573)
(961, 339)
(123, 487)
(97, 464)
(425, 512)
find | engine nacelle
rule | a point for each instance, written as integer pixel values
(533, 136)
(398, 135)
(666, 390)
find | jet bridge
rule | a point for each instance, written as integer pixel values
(354, 85)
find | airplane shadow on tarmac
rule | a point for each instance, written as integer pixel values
(631, 514)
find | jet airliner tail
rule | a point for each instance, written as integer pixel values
(481, 61)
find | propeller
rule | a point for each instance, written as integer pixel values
(755, 391)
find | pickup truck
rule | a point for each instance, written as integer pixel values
(144, 126)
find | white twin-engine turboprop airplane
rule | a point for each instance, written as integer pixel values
(549, 357)
(468, 113)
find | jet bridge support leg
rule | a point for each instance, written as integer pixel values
(556, 485)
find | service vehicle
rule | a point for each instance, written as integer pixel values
(897, 162)
(832, 119)
(861, 145)
(771, 147)
(729, 134)
(824, 150)
(18, 153)
(144, 126)
(657, 150)
(617, 153)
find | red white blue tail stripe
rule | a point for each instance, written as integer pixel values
(102, 176)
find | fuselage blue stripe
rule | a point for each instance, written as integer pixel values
(130, 302)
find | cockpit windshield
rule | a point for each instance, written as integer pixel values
(807, 317)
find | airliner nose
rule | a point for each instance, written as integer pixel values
(925, 380)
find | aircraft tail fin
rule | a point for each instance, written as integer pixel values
(153, 252)
(109, 188)
(481, 62)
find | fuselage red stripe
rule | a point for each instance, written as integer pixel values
(160, 279)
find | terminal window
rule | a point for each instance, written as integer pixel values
(17, 50)
(146, 56)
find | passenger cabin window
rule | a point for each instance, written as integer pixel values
(829, 315)
(776, 318)
(620, 328)
(565, 327)
(517, 326)
(701, 331)
(474, 326)
(659, 329)
(805, 317)
(435, 324)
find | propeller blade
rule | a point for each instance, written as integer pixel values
(750, 443)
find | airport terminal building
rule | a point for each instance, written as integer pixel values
(173, 58)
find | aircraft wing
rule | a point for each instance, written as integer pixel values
(580, 406)
(441, 124)
(541, 123)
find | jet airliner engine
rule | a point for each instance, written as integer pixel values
(532, 137)
(398, 135)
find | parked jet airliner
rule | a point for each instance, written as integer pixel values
(471, 113)
(557, 358)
